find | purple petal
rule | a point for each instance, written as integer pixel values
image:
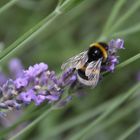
(21, 82)
(15, 67)
(36, 70)
(72, 79)
(116, 44)
(119, 44)
(52, 97)
(111, 67)
(112, 43)
(40, 99)
(3, 78)
(112, 59)
(66, 74)
(28, 96)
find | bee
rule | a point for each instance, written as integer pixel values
(88, 63)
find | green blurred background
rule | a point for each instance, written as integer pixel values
(68, 35)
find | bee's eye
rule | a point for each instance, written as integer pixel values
(96, 52)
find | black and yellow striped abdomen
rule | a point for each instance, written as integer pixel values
(81, 72)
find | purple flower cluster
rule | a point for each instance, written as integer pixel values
(37, 84)
(112, 60)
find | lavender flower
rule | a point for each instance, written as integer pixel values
(15, 67)
(38, 84)
(21, 82)
(35, 70)
(3, 78)
(27, 96)
(112, 60)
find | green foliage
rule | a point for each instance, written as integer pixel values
(39, 30)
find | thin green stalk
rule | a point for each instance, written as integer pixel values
(128, 61)
(8, 5)
(31, 125)
(60, 2)
(129, 31)
(81, 118)
(115, 10)
(124, 17)
(129, 131)
(26, 116)
(37, 29)
(28, 36)
(125, 63)
(116, 117)
(115, 105)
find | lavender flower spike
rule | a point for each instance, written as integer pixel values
(36, 70)
(37, 84)
(112, 60)
(114, 45)
(15, 67)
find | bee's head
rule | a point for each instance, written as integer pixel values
(97, 51)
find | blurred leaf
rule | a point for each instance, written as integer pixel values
(129, 131)
(83, 133)
(7, 6)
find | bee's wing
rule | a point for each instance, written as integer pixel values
(77, 61)
(93, 71)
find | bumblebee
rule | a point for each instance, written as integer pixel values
(88, 63)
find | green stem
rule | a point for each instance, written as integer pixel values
(31, 125)
(128, 61)
(81, 118)
(124, 17)
(116, 117)
(26, 116)
(28, 36)
(37, 29)
(125, 63)
(8, 5)
(129, 131)
(115, 10)
(130, 30)
(116, 104)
